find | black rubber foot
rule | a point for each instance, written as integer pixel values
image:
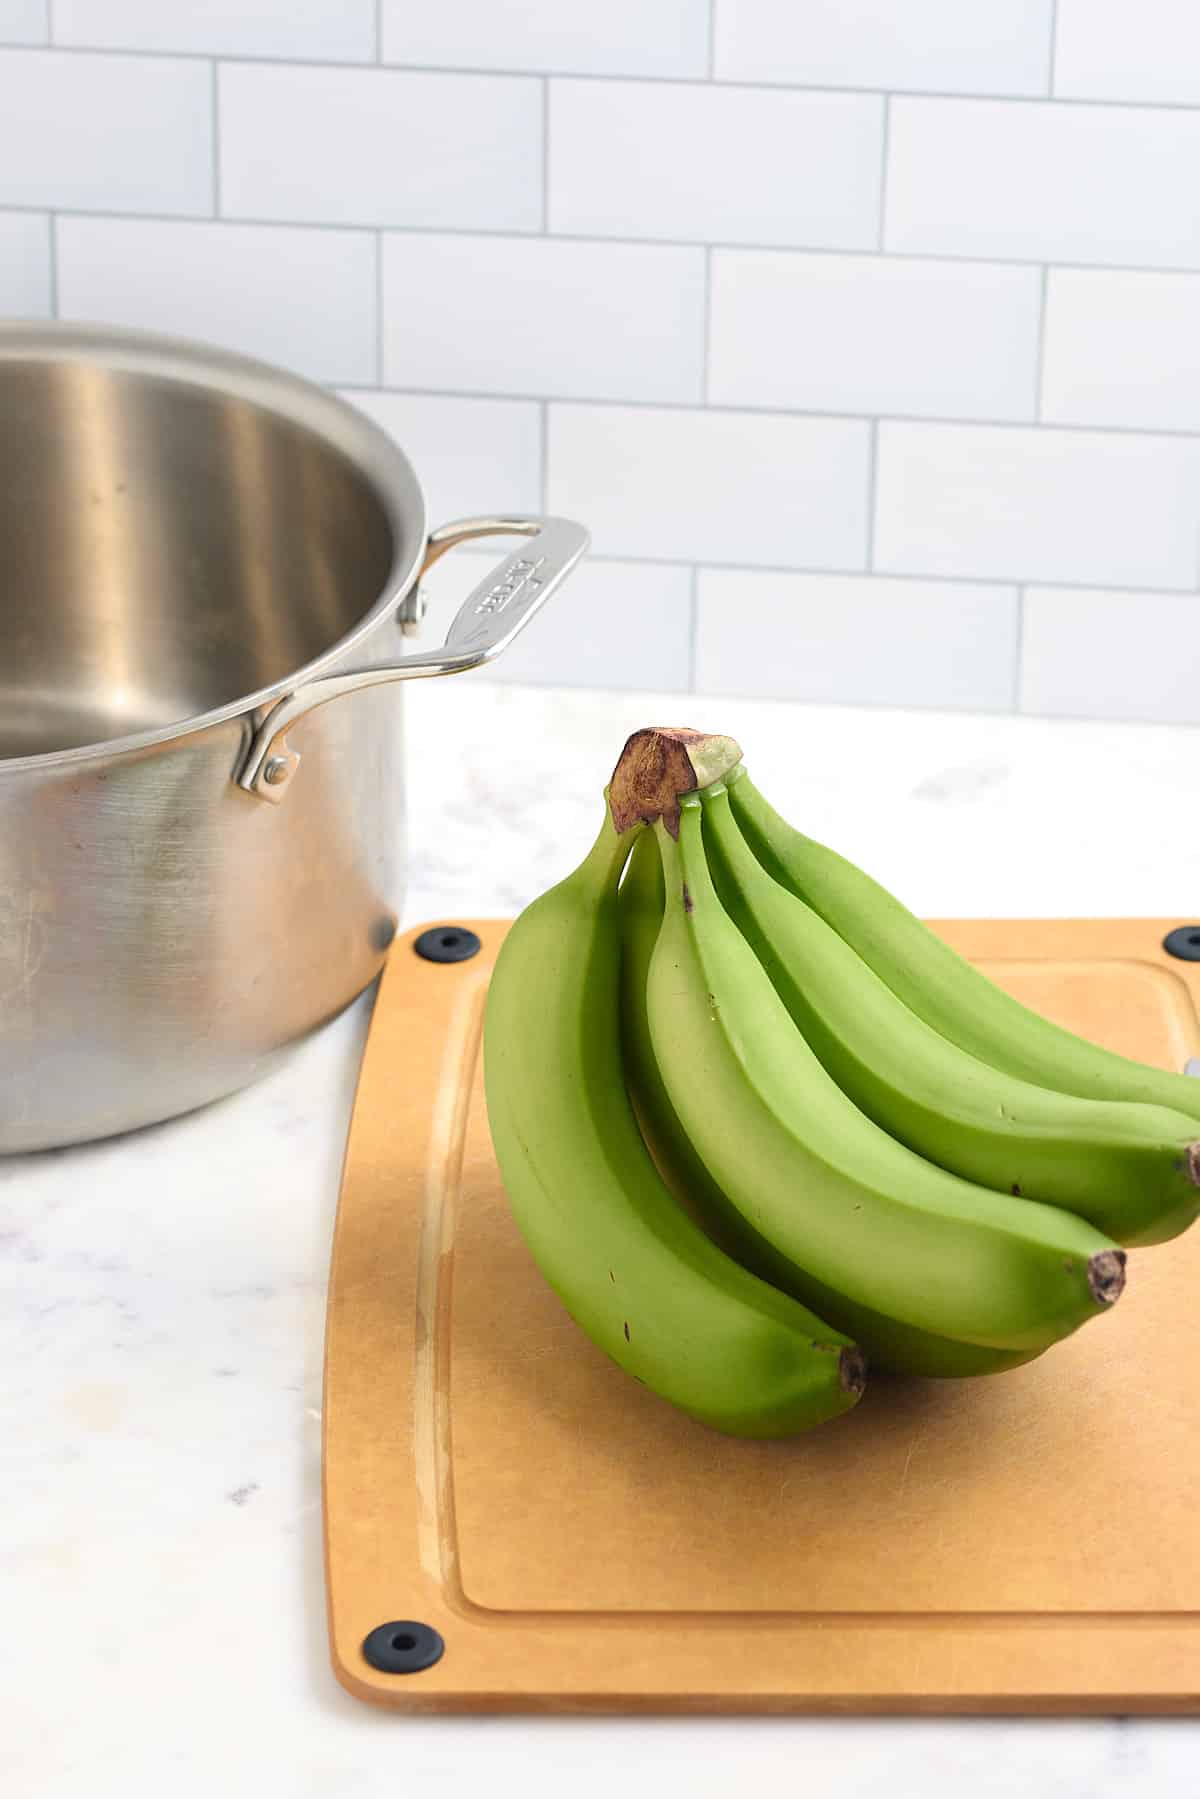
(1184, 942)
(403, 1647)
(447, 943)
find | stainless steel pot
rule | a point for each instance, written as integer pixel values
(200, 859)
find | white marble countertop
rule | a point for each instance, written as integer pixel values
(162, 1311)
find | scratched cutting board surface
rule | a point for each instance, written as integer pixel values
(1024, 1542)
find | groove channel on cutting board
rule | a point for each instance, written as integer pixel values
(432, 1458)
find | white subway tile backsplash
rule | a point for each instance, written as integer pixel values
(1038, 505)
(838, 322)
(1122, 50)
(470, 456)
(977, 47)
(537, 316)
(695, 486)
(874, 334)
(720, 164)
(381, 147)
(24, 21)
(341, 32)
(607, 618)
(24, 265)
(623, 37)
(1111, 655)
(305, 299)
(105, 133)
(1121, 349)
(856, 639)
(1102, 184)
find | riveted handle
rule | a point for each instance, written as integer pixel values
(486, 623)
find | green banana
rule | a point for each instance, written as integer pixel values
(936, 982)
(891, 1347)
(818, 1179)
(635, 1272)
(640, 904)
(1131, 1169)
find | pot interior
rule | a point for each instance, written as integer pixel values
(165, 549)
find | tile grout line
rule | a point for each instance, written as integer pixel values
(872, 484)
(796, 252)
(693, 625)
(877, 576)
(939, 708)
(50, 27)
(748, 409)
(1051, 71)
(350, 65)
(884, 165)
(379, 31)
(712, 39)
(215, 123)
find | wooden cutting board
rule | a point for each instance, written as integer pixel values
(1027, 1542)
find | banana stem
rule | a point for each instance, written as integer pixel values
(601, 867)
(685, 867)
(658, 765)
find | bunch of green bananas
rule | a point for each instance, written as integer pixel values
(744, 1082)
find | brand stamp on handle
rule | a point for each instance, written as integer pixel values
(522, 578)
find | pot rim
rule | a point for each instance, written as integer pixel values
(339, 424)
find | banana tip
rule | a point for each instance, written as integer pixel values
(1191, 1162)
(852, 1370)
(1106, 1276)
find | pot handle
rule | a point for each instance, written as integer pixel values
(486, 623)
